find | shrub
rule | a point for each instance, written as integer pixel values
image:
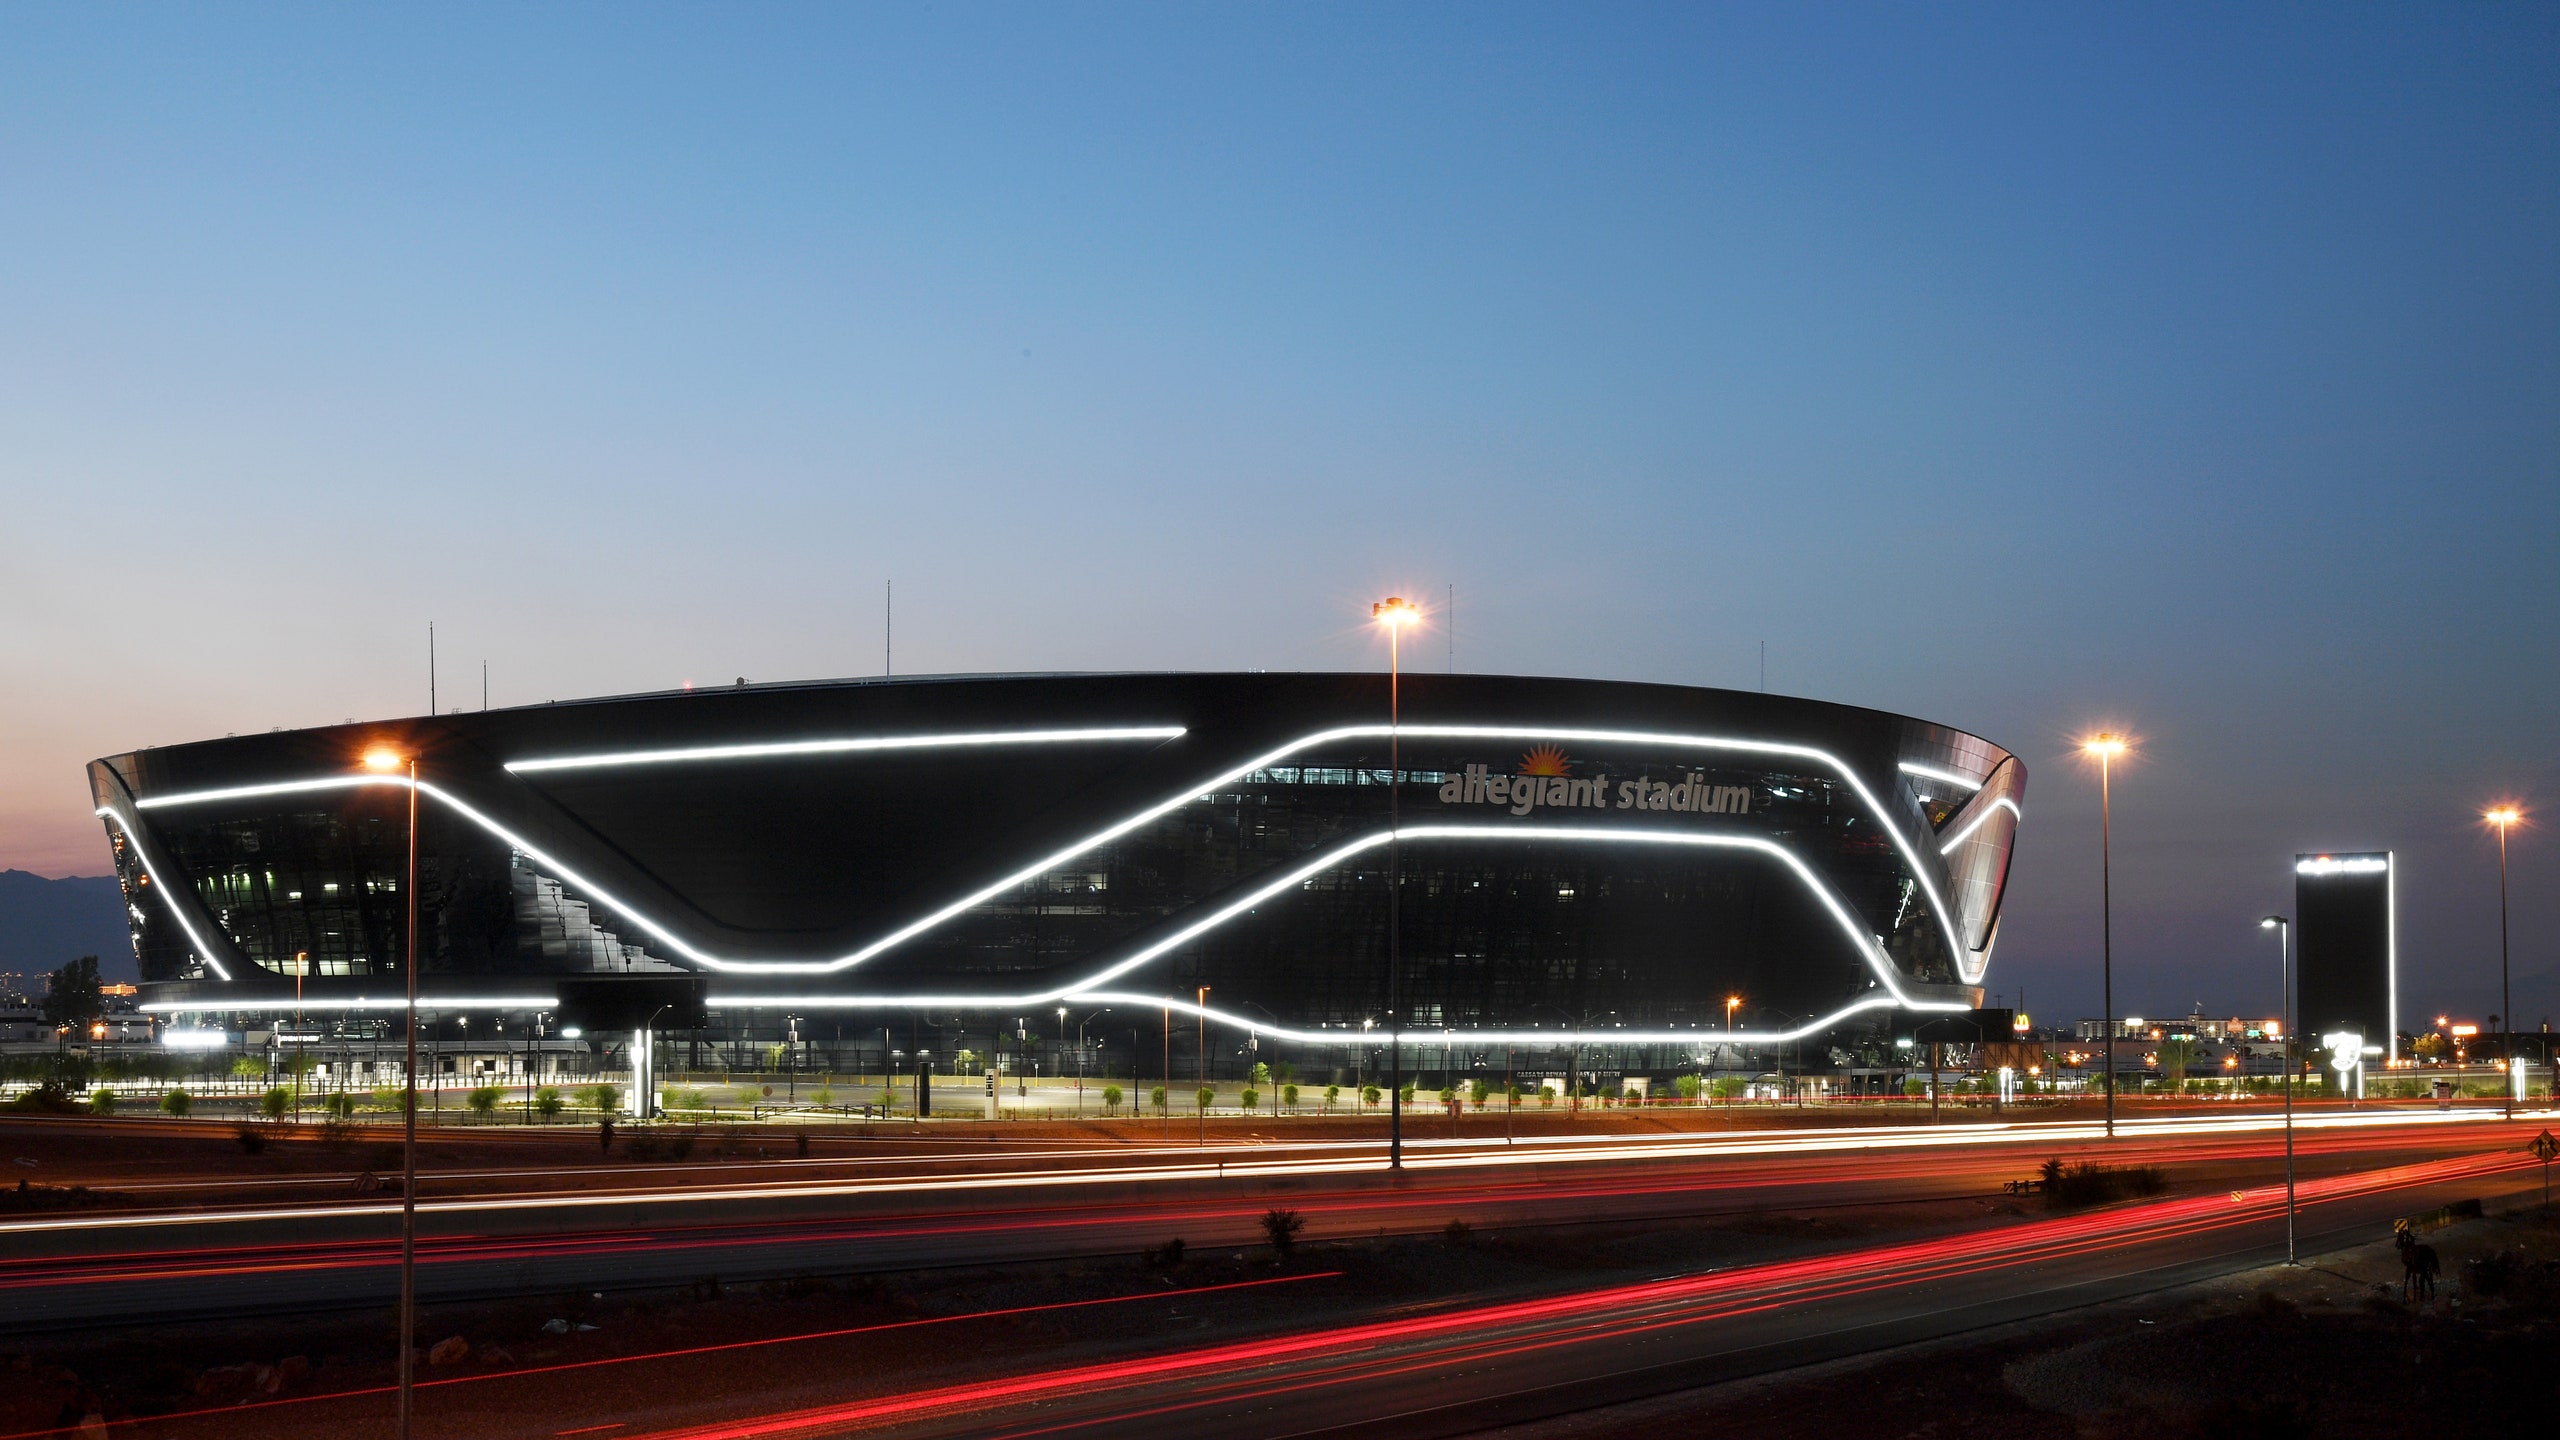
(1206, 1095)
(1448, 1099)
(1546, 1097)
(1110, 1097)
(546, 1101)
(175, 1103)
(1369, 1095)
(275, 1103)
(822, 1096)
(248, 1067)
(2070, 1186)
(1480, 1091)
(51, 1097)
(1633, 1096)
(1249, 1099)
(339, 1106)
(1686, 1087)
(251, 1140)
(483, 1101)
(1332, 1096)
(604, 1099)
(1281, 1228)
(1289, 1094)
(102, 1101)
(1408, 1092)
(387, 1097)
(1156, 1097)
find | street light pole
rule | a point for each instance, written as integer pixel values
(2503, 817)
(2106, 747)
(2284, 972)
(1202, 1114)
(1395, 613)
(388, 760)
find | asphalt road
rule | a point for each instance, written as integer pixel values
(603, 1227)
(1468, 1368)
(1448, 1367)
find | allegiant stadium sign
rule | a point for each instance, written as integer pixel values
(1543, 784)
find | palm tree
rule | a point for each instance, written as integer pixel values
(2175, 1054)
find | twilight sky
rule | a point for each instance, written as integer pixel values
(2190, 370)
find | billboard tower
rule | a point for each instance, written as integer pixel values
(2349, 948)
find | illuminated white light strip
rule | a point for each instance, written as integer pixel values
(1944, 777)
(845, 746)
(1083, 990)
(285, 1004)
(1997, 805)
(1969, 966)
(177, 911)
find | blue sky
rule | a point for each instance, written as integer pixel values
(2194, 370)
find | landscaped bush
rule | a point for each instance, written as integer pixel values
(1110, 1097)
(276, 1103)
(175, 1103)
(546, 1101)
(2071, 1186)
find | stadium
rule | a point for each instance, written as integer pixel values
(1019, 863)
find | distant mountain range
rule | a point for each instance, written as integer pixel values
(47, 923)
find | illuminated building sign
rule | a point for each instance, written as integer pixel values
(1545, 781)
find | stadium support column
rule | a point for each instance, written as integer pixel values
(644, 1073)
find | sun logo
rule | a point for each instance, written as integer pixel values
(1545, 760)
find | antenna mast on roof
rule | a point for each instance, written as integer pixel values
(431, 667)
(888, 628)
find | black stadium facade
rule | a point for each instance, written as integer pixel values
(1654, 866)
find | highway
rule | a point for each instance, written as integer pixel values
(523, 1231)
(1465, 1363)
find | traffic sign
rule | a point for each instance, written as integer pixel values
(2545, 1148)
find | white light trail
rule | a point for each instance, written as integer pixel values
(1459, 1155)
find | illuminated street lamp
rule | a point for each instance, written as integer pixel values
(2106, 748)
(1395, 613)
(384, 760)
(2504, 817)
(2284, 977)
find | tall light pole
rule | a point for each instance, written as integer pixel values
(2504, 818)
(387, 760)
(1731, 1004)
(1201, 1115)
(2284, 975)
(2107, 747)
(1395, 613)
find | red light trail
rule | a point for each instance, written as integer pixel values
(1613, 1312)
